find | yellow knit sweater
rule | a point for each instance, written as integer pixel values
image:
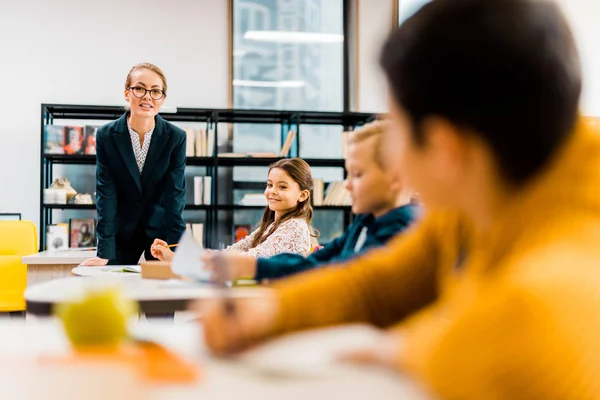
(513, 315)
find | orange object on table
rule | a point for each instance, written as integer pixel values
(151, 361)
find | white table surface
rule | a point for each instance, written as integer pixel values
(134, 287)
(74, 257)
(21, 341)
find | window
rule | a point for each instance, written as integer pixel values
(406, 8)
(288, 55)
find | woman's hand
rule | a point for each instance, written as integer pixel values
(231, 324)
(160, 250)
(95, 261)
(229, 265)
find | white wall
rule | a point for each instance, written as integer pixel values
(79, 52)
(583, 17)
(375, 20)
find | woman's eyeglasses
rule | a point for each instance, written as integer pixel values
(139, 92)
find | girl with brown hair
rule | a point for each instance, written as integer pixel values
(285, 225)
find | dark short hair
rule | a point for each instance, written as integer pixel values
(508, 70)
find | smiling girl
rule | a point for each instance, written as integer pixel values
(285, 225)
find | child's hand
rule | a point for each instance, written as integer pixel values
(233, 324)
(230, 265)
(386, 352)
(160, 250)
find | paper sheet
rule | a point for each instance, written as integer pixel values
(123, 268)
(186, 261)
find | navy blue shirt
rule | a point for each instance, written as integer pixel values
(378, 232)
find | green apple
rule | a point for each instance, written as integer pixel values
(100, 318)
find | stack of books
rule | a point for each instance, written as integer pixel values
(318, 191)
(337, 195)
(202, 190)
(200, 142)
(71, 140)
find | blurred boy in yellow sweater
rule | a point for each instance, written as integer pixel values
(495, 294)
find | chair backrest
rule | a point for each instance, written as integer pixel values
(17, 238)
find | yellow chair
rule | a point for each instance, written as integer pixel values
(17, 239)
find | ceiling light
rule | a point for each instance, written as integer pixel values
(293, 37)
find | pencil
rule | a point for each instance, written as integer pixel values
(172, 245)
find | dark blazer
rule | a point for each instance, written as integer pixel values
(152, 203)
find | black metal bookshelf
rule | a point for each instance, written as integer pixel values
(288, 120)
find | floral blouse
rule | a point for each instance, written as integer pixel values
(292, 236)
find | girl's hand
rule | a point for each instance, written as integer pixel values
(160, 250)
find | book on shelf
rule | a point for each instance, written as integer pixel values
(201, 141)
(207, 189)
(210, 143)
(198, 233)
(73, 143)
(337, 195)
(190, 189)
(198, 190)
(70, 140)
(318, 190)
(54, 139)
(89, 139)
(199, 146)
(250, 154)
(202, 190)
(190, 143)
(57, 237)
(287, 145)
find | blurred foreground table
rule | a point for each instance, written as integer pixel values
(21, 341)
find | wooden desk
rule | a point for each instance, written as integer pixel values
(21, 340)
(49, 265)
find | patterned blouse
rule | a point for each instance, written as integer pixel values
(292, 236)
(140, 151)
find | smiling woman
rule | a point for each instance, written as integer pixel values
(140, 174)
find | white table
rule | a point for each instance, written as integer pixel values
(154, 296)
(49, 265)
(20, 340)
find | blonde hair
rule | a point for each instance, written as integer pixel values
(151, 67)
(373, 129)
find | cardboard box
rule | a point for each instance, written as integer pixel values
(158, 270)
